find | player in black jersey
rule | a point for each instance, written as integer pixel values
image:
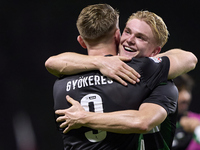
(93, 83)
(97, 93)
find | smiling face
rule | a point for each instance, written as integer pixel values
(137, 40)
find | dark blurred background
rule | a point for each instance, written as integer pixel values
(32, 31)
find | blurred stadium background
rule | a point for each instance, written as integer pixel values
(32, 31)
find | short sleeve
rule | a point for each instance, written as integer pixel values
(165, 95)
(153, 71)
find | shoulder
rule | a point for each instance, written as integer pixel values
(165, 95)
(155, 60)
(152, 63)
(168, 88)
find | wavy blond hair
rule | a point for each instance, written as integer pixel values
(156, 23)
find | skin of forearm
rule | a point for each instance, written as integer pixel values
(180, 62)
(70, 63)
(50, 66)
(143, 120)
(118, 122)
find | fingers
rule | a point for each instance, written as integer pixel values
(60, 112)
(117, 78)
(61, 119)
(119, 70)
(66, 130)
(131, 72)
(70, 100)
(69, 127)
(127, 74)
(66, 126)
(63, 125)
(124, 58)
(121, 77)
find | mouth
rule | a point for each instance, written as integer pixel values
(129, 49)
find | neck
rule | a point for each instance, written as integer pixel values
(102, 50)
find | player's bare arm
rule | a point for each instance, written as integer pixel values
(69, 63)
(128, 121)
(180, 62)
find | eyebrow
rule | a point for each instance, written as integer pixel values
(138, 33)
(127, 28)
(143, 35)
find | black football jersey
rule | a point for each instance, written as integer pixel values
(97, 93)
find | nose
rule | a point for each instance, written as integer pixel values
(131, 39)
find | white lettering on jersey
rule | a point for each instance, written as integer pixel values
(156, 59)
(87, 81)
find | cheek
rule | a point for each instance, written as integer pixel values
(141, 43)
(145, 47)
(122, 39)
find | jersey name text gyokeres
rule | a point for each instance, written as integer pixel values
(87, 81)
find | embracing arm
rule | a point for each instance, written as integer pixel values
(180, 62)
(70, 63)
(128, 121)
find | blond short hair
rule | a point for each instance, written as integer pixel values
(97, 21)
(156, 23)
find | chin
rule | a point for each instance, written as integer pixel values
(129, 56)
(135, 55)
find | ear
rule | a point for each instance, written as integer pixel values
(156, 51)
(117, 37)
(81, 42)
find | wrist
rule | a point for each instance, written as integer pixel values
(83, 119)
(96, 62)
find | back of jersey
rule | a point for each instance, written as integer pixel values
(97, 93)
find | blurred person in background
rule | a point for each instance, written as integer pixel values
(187, 136)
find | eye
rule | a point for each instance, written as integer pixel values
(140, 37)
(127, 31)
